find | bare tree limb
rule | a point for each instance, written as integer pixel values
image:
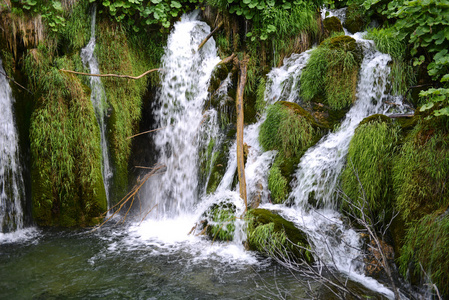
(111, 75)
(210, 35)
(15, 82)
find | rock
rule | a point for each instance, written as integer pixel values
(274, 236)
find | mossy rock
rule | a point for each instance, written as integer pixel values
(356, 19)
(377, 118)
(272, 235)
(291, 130)
(331, 73)
(426, 247)
(218, 221)
(421, 171)
(332, 25)
(366, 179)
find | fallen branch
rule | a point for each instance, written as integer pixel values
(210, 35)
(111, 75)
(130, 196)
(15, 82)
(240, 125)
(157, 129)
(227, 59)
(401, 116)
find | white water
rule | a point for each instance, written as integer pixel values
(11, 181)
(321, 165)
(98, 98)
(185, 77)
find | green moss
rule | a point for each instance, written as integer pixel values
(426, 248)
(117, 55)
(356, 18)
(260, 96)
(367, 175)
(421, 170)
(291, 130)
(76, 32)
(332, 25)
(278, 183)
(67, 187)
(387, 41)
(272, 235)
(331, 72)
(220, 220)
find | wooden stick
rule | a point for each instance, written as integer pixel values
(401, 116)
(227, 59)
(111, 75)
(240, 125)
(210, 35)
(15, 82)
(157, 129)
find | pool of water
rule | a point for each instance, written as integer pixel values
(129, 262)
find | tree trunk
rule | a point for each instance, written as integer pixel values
(240, 115)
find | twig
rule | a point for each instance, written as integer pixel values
(9, 78)
(152, 130)
(111, 75)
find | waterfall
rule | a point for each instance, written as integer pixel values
(180, 103)
(98, 98)
(321, 165)
(11, 181)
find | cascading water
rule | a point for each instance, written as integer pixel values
(321, 165)
(185, 77)
(11, 181)
(98, 98)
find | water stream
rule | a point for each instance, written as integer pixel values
(98, 98)
(156, 258)
(11, 181)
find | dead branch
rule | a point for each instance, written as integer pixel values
(111, 75)
(157, 129)
(15, 82)
(240, 125)
(227, 59)
(130, 196)
(393, 116)
(210, 35)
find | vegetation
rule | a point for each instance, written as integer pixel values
(274, 236)
(331, 72)
(65, 146)
(420, 172)
(369, 163)
(424, 253)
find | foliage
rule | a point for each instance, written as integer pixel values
(277, 183)
(369, 163)
(356, 18)
(274, 236)
(437, 100)
(260, 97)
(65, 145)
(332, 72)
(220, 221)
(76, 32)
(387, 41)
(421, 170)
(117, 55)
(141, 13)
(287, 130)
(426, 249)
(50, 10)
(424, 25)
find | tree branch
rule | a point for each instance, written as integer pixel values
(210, 35)
(111, 75)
